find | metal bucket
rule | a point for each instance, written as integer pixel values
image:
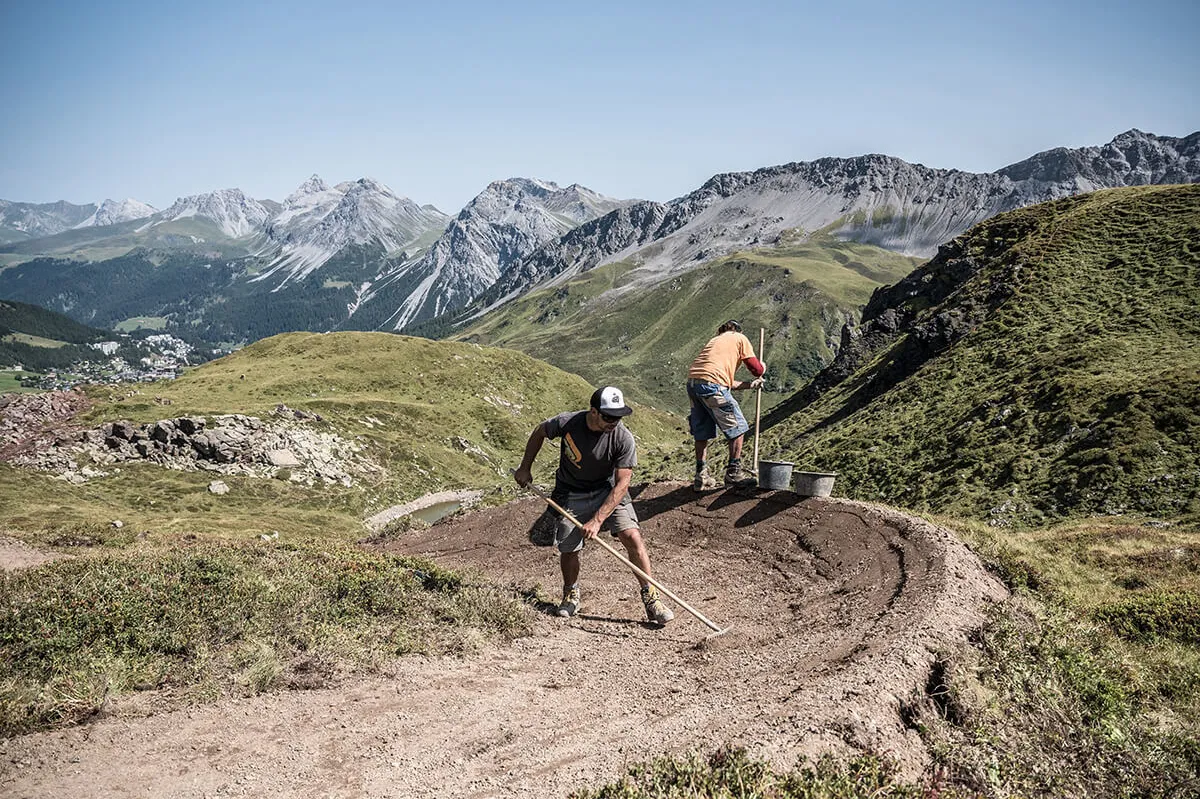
(815, 484)
(774, 475)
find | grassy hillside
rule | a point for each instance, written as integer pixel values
(1049, 367)
(40, 340)
(645, 339)
(433, 415)
(264, 588)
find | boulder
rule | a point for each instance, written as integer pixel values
(283, 458)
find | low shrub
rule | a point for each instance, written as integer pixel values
(730, 773)
(1172, 615)
(224, 618)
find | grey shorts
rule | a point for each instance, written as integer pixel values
(550, 528)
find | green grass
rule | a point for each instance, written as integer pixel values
(213, 619)
(33, 341)
(391, 395)
(1050, 704)
(141, 323)
(1074, 394)
(1087, 683)
(10, 381)
(645, 340)
(730, 773)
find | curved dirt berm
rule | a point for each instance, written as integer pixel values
(836, 611)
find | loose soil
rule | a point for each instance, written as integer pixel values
(837, 612)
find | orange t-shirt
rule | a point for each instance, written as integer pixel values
(719, 359)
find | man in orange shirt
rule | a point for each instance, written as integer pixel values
(710, 379)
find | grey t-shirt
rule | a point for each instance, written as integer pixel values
(588, 459)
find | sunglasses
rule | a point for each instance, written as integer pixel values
(609, 419)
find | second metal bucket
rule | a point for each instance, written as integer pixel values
(815, 484)
(775, 475)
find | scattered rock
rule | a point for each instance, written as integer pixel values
(32, 423)
(218, 487)
(34, 432)
(283, 458)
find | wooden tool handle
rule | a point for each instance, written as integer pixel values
(758, 398)
(567, 514)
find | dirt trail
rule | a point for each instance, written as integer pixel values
(836, 609)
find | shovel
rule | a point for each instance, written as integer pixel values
(671, 594)
(758, 400)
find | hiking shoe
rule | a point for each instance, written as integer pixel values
(703, 481)
(541, 533)
(737, 477)
(656, 611)
(570, 602)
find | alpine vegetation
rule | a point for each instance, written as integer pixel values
(1043, 365)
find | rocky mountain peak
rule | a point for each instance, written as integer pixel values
(1132, 158)
(317, 222)
(33, 220)
(236, 214)
(311, 186)
(874, 199)
(505, 222)
(111, 212)
(366, 186)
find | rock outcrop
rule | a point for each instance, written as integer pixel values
(34, 433)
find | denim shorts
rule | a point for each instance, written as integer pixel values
(582, 505)
(713, 407)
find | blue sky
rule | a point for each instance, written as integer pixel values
(632, 99)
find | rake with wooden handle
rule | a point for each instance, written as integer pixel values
(571, 518)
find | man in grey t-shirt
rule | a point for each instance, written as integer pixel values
(595, 465)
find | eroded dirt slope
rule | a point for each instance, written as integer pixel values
(836, 610)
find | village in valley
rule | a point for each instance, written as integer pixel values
(162, 356)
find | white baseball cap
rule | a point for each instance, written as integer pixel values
(609, 400)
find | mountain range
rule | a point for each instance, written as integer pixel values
(873, 199)
(357, 255)
(22, 221)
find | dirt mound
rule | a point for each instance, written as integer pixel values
(837, 610)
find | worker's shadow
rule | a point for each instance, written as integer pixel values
(770, 503)
(765, 503)
(649, 508)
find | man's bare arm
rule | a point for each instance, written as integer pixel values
(524, 473)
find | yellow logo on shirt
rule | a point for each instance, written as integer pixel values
(573, 453)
